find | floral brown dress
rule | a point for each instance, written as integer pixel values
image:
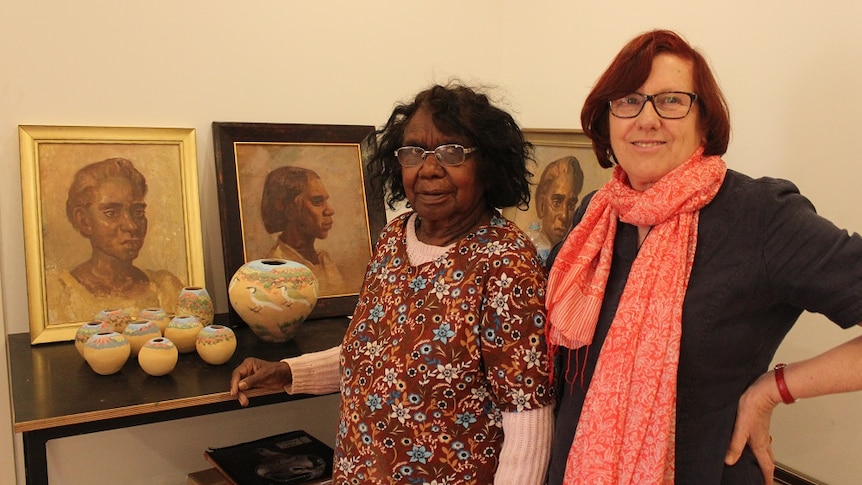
(433, 355)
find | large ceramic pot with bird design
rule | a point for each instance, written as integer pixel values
(273, 296)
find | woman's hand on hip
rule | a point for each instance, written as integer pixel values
(753, 418)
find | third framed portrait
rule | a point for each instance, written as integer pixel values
(566, 171)
(299, 192)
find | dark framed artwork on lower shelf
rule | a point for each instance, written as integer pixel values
(299, 192)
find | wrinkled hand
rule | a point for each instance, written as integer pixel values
(753, 417)
(257, 373)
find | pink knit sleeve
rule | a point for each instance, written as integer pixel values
(315, 372)
(526, 447)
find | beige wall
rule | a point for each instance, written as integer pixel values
(790, 69)
(7, 452)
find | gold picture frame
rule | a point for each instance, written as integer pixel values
(553, 146)
(63, 238)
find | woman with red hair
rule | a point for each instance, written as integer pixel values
(676, 285)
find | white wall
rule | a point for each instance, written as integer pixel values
(790, 69)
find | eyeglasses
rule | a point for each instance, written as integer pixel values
(449, 155)
(671, 105)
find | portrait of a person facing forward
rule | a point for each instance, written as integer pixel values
(557, 197)
(106, 205)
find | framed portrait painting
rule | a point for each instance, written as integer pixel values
(567, 169)
(299, 192)
(111, 220)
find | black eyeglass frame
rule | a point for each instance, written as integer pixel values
(425, 153)
(651, 99)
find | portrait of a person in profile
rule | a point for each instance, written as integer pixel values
(557, 197)
(106, 205)
(296, 206)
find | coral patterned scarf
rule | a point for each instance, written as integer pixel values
(626, 431)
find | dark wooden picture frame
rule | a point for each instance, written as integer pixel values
(169, 248)
(246, 154)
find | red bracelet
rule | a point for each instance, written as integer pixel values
(782, 386)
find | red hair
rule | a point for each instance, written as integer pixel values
(631, 68)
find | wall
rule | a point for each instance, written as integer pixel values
(790, 70)
(7, 452)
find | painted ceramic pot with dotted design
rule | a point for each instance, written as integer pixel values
(216, 344)
(273, 296)
(137, 332)
(194, 300)
(182, 331)
(117, 317)
(158, 356)
(107, 352)
(157, 315)
(89, 329)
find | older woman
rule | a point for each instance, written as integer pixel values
(442, 373)
(669, 297)
(106, 205)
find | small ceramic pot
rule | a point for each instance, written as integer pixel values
(118, 317)
(87, 330)
(216, 344)
(158, 315)
(183, 331)
(158, 356)
(137, 332)
(194, 300)
(273, 296)
(107, 352)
